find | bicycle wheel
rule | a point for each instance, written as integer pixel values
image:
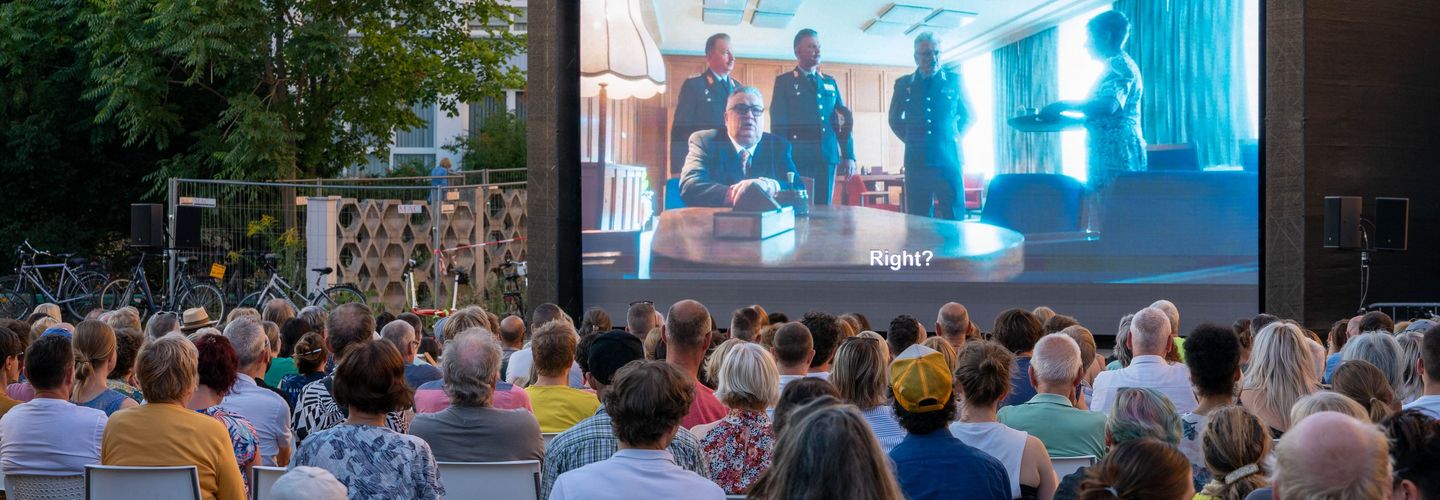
(255, 300)
(338, 295)
(79, 298)
(13, 304)
(116, 294)
(205, 296)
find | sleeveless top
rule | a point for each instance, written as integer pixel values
(1005, 444)
(108, 401)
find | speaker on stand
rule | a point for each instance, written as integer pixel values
(147, 226)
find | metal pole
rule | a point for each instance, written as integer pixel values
(435, 246)
(173, 199)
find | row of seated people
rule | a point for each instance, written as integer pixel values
(823, 407)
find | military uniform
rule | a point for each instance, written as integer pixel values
(800, 112)
(701, 107)
(928, 115)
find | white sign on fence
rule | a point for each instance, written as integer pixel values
(197, 202)
(411, 208)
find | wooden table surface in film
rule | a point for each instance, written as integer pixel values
(838, 242)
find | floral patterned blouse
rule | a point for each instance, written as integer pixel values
(738, 449)
(243, 439)
(1115, 141)
(374, 462)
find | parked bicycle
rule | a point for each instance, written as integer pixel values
(278, 288)
(191, 290)
(74, 286)
(458, 277)
(513, 290)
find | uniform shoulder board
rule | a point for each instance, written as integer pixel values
(709, 79)
(795, 72)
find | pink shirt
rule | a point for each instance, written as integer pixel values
(704, 409)
(431, 397)
(21, 391)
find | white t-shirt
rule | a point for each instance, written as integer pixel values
(50, 437)
(1427, 404)
(997, 440)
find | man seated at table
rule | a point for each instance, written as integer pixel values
(723, 163)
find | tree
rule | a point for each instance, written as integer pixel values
(498, 144)
(282, 88)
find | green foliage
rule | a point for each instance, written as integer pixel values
(499, 143)
(286, 244)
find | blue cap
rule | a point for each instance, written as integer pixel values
(56, 331)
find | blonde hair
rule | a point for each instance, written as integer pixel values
(166, 369)
(241, 312)
(123, 317)
(711, 370)
(94, 346)
(1234, 439)
(48, 309)
(952, 359)
(1326, 401)
(464, 319)
(1281, 371)
(654, 343)
(748, 378)
(39, 327)
(861, 372)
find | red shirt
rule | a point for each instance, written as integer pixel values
(704, 409)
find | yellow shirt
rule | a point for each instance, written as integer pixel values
(6, 404)
(167, 434)
(558, 407)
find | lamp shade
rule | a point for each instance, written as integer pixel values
(617, 51)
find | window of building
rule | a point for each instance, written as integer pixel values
(422, 136)
(978, 142)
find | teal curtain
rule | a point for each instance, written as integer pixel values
(1190, 54)
(1026, 76)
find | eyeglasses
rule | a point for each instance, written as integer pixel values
(751, 110)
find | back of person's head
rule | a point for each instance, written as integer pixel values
(778, 317)
(21, 330)
(414, 320)
(310, 353)
(1376, 321)
(849, 325)
(793, 345)
(1235, 445)
(277, 311)
(167, 369)
(1212, 352)
(748, 378)
(10, 345)
(471, 368)
(48, 309)
(798, 393)
(308, 483)
(350, 324)
(1415, 451)
(1262, 320)
(608, 353)
(1149, 332)
(290, 333)
(1280, 371)
(242, 312)
(655, 344)
(248, 337)
(370, 377)
(904, 332)
(744, 322)
(1363, 382)
(125, 317)
(1430, 354)
(94, 344)
(710, 369)
(640, 318)
(545, 313)
(953, 320)
(39, 325)
(942, 346)
(687, 327)
(1139, 468)
(1042, 313)
(1335, 339)
(466, 318)
(1017, 330)
(512, 329)
(861, 372)
(1411, 385)
(827, 452)
(315, 316)
(825, 332)
(647, 401)
(1379, 349)
(554, 346)
(594, 320)
(1123, 354)
(1056, 360)
(1086, 341)
(1326, 401)
(1329, 456)
(922, 384)
(216, 363)
(1058, 322)
(399, 334)
(983, 373)
(1171, 312)
(49, 361)
(1143, 413)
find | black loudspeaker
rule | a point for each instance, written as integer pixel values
(1392, 223)
(187, 226)
(1342, 222)
(147, 225)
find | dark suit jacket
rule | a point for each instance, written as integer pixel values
(701, 107)
(801, 113)
(713, 166)
(929, 117)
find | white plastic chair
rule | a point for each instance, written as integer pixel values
(113, 482)
(1065, 466)
(23, 486)
(734, 497)
(262, 480)
(548, 436)
(480, 480)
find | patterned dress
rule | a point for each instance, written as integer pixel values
(739, 449)
(1115, 142)
(374, 462)
(243, 439)
(128, 390)
(316, 410)
(1192, 427)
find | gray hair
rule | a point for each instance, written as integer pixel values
(1171, 312)
(309, 483)
(928, 36)
(395, 332)
(1381, 350)
(1143, 413)
(1149, 330)
(748, 89)
(315, 316)
(248, 336)
(161, 324)
(1412, 384)
(1122, 351)
(1056, 359)
(471, 366)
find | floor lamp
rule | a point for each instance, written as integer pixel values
(618, 58)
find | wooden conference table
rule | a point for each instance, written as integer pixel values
(835, 243)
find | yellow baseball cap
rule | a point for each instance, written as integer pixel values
(920, 379)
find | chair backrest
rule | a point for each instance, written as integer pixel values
(1182, 214)
(113, 482)
(21, 486)
(518, 480)
(1065, 466)
(1182, 157)
(672, 194)
(1034, 203)
(262, 481)
(548, 436)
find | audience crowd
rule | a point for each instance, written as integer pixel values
(663, 404)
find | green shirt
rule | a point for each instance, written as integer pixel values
(279, 368)
(1065, 430)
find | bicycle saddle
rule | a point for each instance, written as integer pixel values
(323, 270)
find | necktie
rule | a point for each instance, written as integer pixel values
(745, 162)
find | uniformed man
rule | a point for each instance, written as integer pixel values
(802, 111)
(702, 99)
(928, 112)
